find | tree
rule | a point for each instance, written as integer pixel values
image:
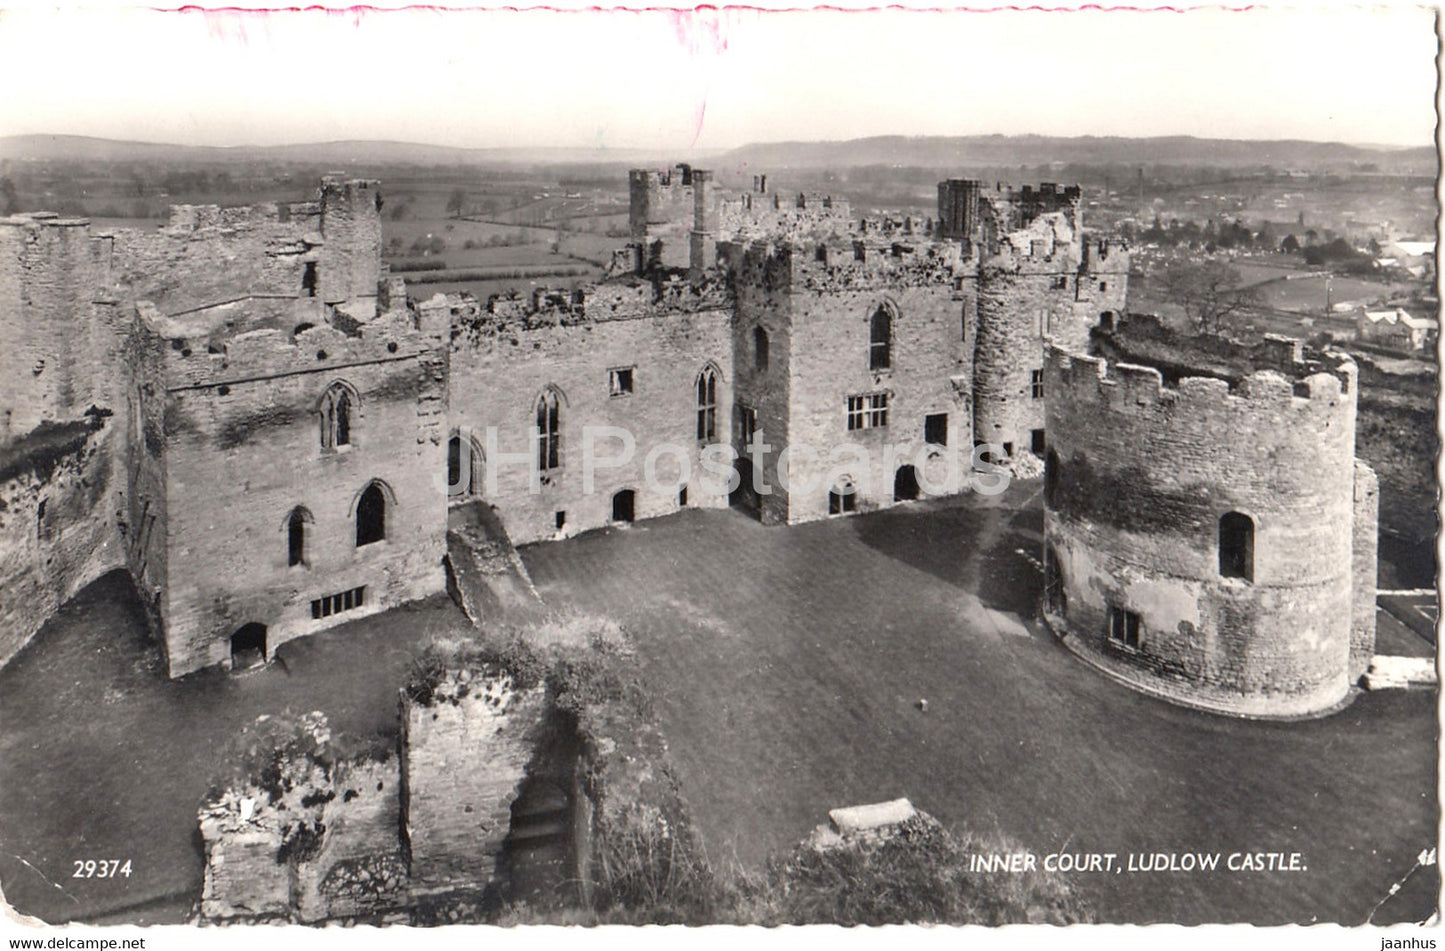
(456, 202)
(12, 200)
(1207, 291)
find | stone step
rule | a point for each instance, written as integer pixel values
(533, 831)
(552, 801)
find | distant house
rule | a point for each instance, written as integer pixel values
(1396, 329)
(1417, 257)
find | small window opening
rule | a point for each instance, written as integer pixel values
(619, 381)
(707, 406)
(296, 538)
(760, 349)
(841, 499)
(549, 429)
(1236, 546)
(559, 518)
(623, 503)
(880, 339)
(371, 516)
(1124, 627)
(935, 429)
(1036, 384)
(308, 279)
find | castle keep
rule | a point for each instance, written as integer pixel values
(244, 410)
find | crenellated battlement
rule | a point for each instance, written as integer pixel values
(621, 299)
(834, 266)
(190, 358)
(1311, 390)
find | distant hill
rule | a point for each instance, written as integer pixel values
(340, 154)
(997, 150)
(943, 152)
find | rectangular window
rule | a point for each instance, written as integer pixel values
(935, 429)
(337, 603)
(1036, 383)
(1103, 285)
(1061, 283)
(1124, 627)
(619, 381)
(868, 411)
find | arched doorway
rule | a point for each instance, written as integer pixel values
(623, 505)
(905, 484)
(248, 646)
(466, 469)
(745, 495)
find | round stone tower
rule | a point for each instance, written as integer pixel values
(1201, 536)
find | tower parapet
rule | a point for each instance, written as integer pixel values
(1198, 529)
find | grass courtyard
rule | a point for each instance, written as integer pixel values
(787, 665)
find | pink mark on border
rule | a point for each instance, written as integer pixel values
(361, 9)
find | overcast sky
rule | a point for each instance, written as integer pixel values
(716, 80)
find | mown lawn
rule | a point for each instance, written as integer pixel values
(788, 663)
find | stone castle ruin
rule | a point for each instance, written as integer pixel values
(245, 411)
(1210, 536)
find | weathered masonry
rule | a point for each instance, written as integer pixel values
(1210, 535)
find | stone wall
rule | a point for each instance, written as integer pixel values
(56, 323)
(1044, 284)
(243, 449)
(313, 837)
(830, 361)
(1139, 476)
(466, 753)
(58, 520)
(208, 254)
(1365, 555)
(501, 368)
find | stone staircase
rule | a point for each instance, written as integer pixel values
(539, 847)
(486, 577)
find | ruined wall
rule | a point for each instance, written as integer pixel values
(62, 436)
(762, 278)
(775, 215)
(1133, 502)
(466, 753)
(243, 448)
(350, 255)
(51, 271)
(58, 524)
(207, 254)
(659, 202)
(314, 836)
(502, 364)
(1365, 554)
